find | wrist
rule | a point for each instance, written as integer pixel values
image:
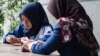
(8, 39)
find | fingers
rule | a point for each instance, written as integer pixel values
(25, 49)
(12, 39)
(40, 42)
(63, 21)
(24, 39)
(18, 40)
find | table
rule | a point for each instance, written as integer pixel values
(11, 50)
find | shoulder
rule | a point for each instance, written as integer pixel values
(48, 28)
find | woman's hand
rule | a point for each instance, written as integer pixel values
(65, 24)
(63, 21)
(12, 39)
(26, 44)
(39, 42)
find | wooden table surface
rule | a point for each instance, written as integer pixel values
(11, 50)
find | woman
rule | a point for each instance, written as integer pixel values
(34, 25)
(83, 27)
(72, 35)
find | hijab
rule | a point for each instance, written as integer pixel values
(37, 16)
(73, 9)
(68, 8)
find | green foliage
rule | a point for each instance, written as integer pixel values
(32, 0)
(1, 17)
(1, 31)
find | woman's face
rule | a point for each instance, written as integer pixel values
(26, 22)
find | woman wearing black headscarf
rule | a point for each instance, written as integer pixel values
(73, 33)
(34, 24)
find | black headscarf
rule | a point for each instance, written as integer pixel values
(37, 16)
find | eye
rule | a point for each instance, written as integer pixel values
(22, 19)
(28, 20)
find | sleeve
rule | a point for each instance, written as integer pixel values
(47, 33)
(52, 44)
(16, 32)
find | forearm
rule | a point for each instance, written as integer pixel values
(3, 40)
(50, 45)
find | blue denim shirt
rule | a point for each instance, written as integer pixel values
(20, 32)
(54, 42)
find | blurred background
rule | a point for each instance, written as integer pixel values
(9, 10)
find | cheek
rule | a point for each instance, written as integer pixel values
(30, 25)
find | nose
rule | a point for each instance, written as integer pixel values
(24, 22)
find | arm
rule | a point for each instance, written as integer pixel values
(46, 33)
(52, 43)
(14, 34)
